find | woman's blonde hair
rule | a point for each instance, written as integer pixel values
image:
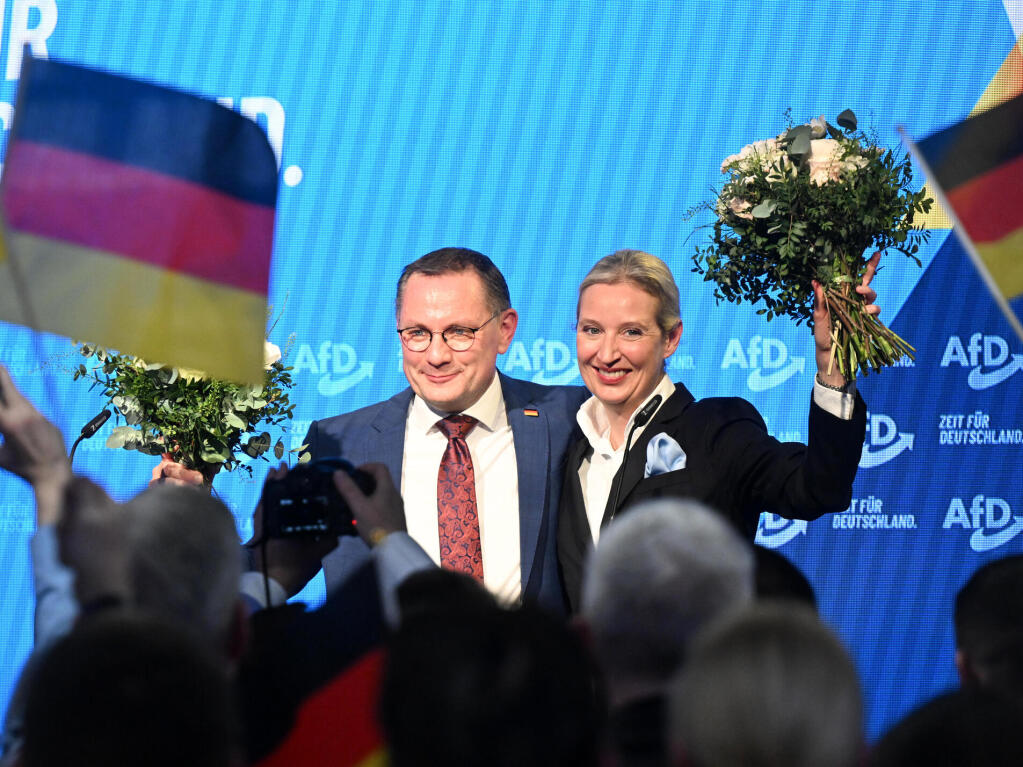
(647, 272)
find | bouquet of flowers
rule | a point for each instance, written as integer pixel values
(806, 206)
(199, 421)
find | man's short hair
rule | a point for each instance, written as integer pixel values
(770, 684)
(454, 260)
(185, 560)
(961, 727)
(483, 685)
(988, 622)
(660, 573)
(777, 578)
(125, 689)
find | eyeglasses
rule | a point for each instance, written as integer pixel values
(458, 338)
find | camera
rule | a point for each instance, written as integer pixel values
(306, 503)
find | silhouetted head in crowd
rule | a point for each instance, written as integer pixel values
(434, 591)
(185, 562)
(771, 685)
(659, 574)
(989, 628)
(126, 690)
(964, 727)
(487, 686)
(777, 578)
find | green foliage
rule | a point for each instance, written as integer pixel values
(803, 207)
(200, 422)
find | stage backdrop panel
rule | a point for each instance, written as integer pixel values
(548, 135)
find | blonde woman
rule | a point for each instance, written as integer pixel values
(715, 450)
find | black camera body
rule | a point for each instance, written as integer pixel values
(306, 503)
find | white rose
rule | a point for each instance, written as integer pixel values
(818, 127)
(191, 374)
(740, 208)
(821, 175)
(271, 353)
(764, 150)
(732, 158)
(824, 149)
(824, 164)
(854, 163)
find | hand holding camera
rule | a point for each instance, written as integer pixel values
(305, 502)
(304, 510)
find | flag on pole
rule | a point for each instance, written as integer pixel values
(978, 165)
(139, 218)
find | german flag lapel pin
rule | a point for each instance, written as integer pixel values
(531, 412)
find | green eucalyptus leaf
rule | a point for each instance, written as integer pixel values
(798, 142)
(234, 421)
(214, 455)
(847, 120)
(257, 444)
(121, 436)
(764, 209)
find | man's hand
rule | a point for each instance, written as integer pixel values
(292, 562)
(376, 515)
(93, 542)
(172, 473)
(33, 449)
(822, 322)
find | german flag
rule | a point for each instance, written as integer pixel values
(978, 163)
(139, 218)
(309, 683)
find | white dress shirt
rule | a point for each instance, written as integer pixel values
(497, 486)
(596, 473)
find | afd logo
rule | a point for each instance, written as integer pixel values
(337, 365)
(991, 520)
(767, 360)
(543, 362)
(884, 441)
(988, 356)
(774, 531)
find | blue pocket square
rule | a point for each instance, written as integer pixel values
(663, 454)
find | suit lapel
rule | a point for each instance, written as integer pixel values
(576, 454)
(531, 436)
(390, 426)
(632, 470)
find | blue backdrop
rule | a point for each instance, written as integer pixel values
(548, 135)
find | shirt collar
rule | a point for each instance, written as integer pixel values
(489, 410)
(594, 423)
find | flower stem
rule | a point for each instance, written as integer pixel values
(859, 340)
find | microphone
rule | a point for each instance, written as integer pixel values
(89, 430)
(641, 418)
(94, 425)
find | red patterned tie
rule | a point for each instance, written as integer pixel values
(457, 517)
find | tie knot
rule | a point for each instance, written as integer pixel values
(456, 426)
